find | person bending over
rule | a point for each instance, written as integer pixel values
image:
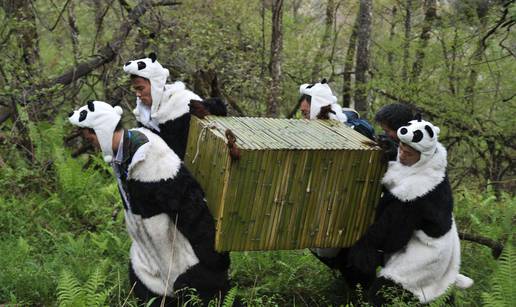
(166, 215)
(414, 237)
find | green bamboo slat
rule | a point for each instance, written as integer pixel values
(333, 194)
(295, 197)
(288, 204)
(308, 237)
(344, 213)
(300, 196)
(275, 199)
(367, 168)
(248, 197)
(272, 206)
(354, 172)
(257, 210)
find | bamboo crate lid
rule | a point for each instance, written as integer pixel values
(297, 184)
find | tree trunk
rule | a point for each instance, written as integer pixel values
(347, 90)
(262, 64)
(390, 55)
(363, 54)
(469, 91)
(296, 5)
(28, 39)
(430, 16)
(406, 45)
(275, 59)
(319, 57)
(74, 32)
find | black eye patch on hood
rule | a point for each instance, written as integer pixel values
(418, 136)
(429, 130)
(82, 115)
(141, 65)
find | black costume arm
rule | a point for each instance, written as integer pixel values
(175, 134)
(389, 233)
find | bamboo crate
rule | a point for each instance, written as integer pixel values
(297, 184)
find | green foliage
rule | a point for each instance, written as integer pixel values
(503, 291)
(94, 292)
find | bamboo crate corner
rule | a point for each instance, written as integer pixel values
(298, 183)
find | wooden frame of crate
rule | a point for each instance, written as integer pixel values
(297, 184)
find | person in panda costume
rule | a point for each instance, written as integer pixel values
(318, 102)
(414, 237)
(166, 215)
(166, 108)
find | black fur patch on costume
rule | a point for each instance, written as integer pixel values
(141, 65)
(152, 55)
(418, 136)
(175, 134)
(216, 106)
(396, 221)
(429, 130)
(91, 106)
(83, 115)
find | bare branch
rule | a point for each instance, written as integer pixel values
(109, 52)
(496, 247)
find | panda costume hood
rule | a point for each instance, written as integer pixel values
(103, 119)
(169, 101)
(321, 96)
(410, 182)
(169, 115)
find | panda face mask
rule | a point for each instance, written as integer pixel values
(421, 136)
(150, 69)
(103, 119)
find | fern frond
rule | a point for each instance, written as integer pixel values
(230, 297)
(503, 292)
(68, 289)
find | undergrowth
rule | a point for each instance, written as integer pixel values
(62, 243)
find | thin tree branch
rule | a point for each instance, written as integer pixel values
(496, 247)
(52, 28)
(109, 52)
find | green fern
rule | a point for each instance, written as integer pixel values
(230, 297)
(71, 293)
(68, 289)
(503, 292)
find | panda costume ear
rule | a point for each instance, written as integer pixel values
(324, 81)
(429, 130)
(153, 57)
(418, 117)
(91, 106)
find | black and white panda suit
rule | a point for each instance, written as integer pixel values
(172, 229)
(167, 218)
(414, 236)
